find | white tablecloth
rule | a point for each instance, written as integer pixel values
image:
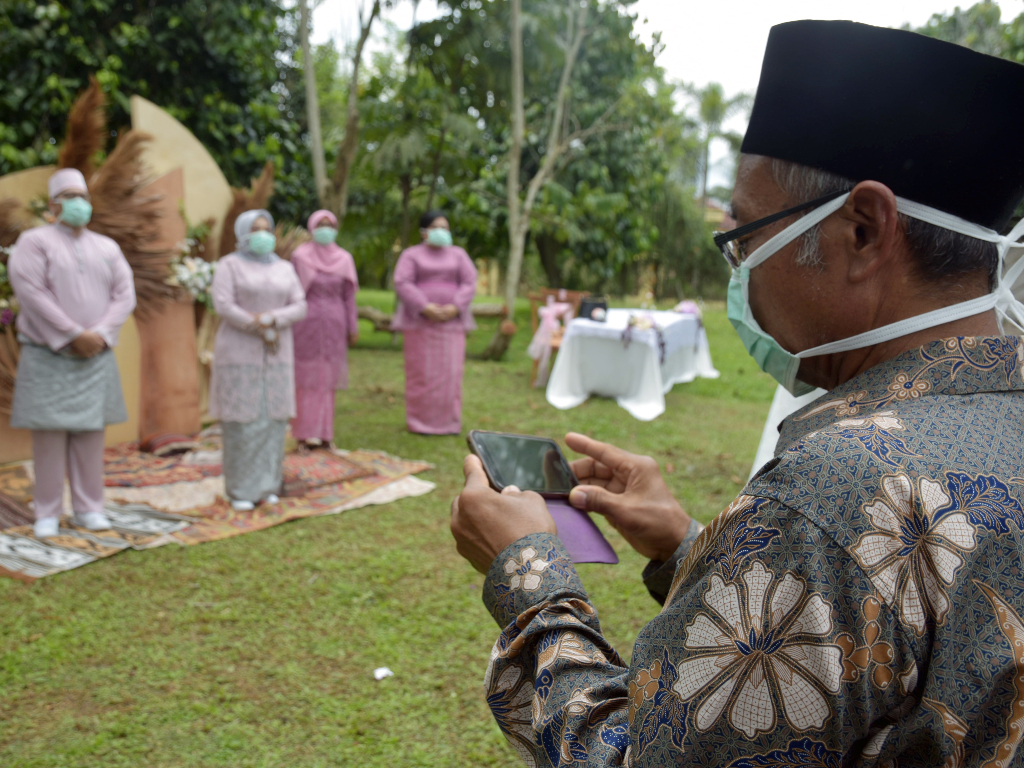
(593, 360)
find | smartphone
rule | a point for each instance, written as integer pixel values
(537, 464)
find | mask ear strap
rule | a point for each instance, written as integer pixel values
(774, 244)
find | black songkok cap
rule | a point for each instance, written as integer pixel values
(937, 123)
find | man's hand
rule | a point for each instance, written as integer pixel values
(629, 491)
(484, 521)
(353, 338)
(89, 344)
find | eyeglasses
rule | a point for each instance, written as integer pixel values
(734, 248)
(72, 195)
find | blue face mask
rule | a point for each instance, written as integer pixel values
(261, 243)
(325, 235)
(75, 211)
(439, 237)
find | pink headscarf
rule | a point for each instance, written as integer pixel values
(310, 258)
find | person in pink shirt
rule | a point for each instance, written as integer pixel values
(74, 290)
(258, 297)
(328, 275)
(435, 282)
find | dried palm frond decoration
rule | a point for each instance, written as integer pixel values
(289, 237)
(122, 212)
(256, 196)
(9, 353)
(86, 130)
(13, 222)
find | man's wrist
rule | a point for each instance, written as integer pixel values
(658, 574)
(672, 542)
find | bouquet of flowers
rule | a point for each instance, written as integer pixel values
(192, 274)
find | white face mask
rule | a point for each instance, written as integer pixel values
(784, 370)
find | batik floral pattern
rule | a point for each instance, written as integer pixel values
(798, 754)
(526, 571)
(860, 604)
(914, 551)
(760, 654)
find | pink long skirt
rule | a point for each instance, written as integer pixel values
(434, 361)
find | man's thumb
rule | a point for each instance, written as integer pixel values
(592, 498)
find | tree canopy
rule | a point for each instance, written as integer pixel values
(435, 124)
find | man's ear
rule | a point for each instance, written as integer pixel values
(871, 236)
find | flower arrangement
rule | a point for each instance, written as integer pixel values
(192, 274)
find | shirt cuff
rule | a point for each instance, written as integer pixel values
(58, 340)
(533, 570)
(658, 575)
(109, 335)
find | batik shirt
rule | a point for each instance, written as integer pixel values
(861, 603)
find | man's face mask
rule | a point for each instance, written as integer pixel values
(75, 211)
(783, 365)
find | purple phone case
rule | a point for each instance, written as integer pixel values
(583, 540)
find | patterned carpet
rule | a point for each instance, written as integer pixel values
(329, 484)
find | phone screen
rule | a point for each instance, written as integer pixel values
(529, 463)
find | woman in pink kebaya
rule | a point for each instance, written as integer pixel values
(328, 276)
(435, 282)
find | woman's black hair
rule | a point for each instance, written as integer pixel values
(430, 217)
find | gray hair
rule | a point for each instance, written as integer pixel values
(940, 255)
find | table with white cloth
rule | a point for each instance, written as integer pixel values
(594, 359)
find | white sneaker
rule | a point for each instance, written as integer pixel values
(272, 498)
(243, 506)
(46, 527)
(93, 521)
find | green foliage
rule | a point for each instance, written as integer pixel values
(435, 125)
(978, 27)
(220, 67)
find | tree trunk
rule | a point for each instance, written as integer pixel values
(499, 343)
(405, 180)
(437, 171)
(519, 210)
(549, 248)
(350, 144)
(312, 107)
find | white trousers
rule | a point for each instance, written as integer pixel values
(79, 455)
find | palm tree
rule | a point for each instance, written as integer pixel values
(713, 109)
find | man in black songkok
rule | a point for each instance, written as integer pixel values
(860, 603)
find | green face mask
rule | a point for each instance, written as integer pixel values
(439, 237)
(75, 211)
(766, 351)
(261, 243)
(325, 235)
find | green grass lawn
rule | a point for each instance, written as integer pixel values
(259, 651)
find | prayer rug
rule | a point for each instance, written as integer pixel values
(13, 513)
(377, 478)
(125, 465)
(24, 557)
(220, 521)
(318, 468)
